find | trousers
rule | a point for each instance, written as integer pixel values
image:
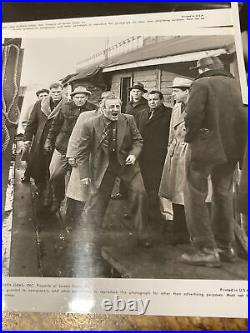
(137, 201)
(215, 229)
(58, 168)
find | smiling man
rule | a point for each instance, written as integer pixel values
(109, 146)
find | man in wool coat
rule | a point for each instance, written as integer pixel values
(215, 130)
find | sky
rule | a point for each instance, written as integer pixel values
(48, 60)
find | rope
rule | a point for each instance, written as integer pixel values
(14, 116)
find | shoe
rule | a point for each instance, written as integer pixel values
(228, 255)
(205, 257)
(127, 216)
(25, 179)
(117, 196)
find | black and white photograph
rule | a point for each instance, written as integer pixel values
(124, 157)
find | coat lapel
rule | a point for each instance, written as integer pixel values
(158, 114)
(121, 130)
(178, 115)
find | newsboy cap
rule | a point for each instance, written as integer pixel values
(138, 85)
(209, 62)
(80, 90)
(181, 82)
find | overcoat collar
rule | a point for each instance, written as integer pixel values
(46, 109)
(158, 113)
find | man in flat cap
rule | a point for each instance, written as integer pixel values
(215, 130)
(58, 138)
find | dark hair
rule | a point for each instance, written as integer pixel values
(156, 92)
(43, 90)
(56, 85)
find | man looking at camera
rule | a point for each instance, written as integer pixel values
(109, 147)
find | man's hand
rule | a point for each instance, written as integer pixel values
(130, 160)
(86, 181)
(72, 162)
(47, 146)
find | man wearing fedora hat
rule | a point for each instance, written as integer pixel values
(215, 130)
(173, 175)
(58, 138)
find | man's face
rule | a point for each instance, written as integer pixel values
(136, 94)
(80, 99)
(42, 95)
(154, 101)
(179, 95)
(56, 93)
(112, 109)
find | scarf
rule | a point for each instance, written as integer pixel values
(46, 109)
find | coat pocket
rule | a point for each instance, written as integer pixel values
(207, 148)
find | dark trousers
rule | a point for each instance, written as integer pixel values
(180, 229)
(217, 231)
(137, 201)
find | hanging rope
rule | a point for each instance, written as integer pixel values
(13, 111)
(10, 110)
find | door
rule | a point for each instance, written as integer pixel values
(124, 92)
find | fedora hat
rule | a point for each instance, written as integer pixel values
(138, 85)
(181, 82)
(209, 62)
(80, 90)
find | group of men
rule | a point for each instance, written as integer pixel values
(153, 150)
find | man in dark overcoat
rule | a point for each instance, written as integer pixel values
(38, 127)
(155, 135)
(138, 105)
(109, 147)
(215, 125)
(58, 138)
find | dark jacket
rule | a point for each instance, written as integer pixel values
(93, 154)
(140, 111)
(155, 143)
(215, 119)
(37, 130)
(63, 124)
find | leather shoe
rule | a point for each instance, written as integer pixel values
(205, 257)
(227, 255)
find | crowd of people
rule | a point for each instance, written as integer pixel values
(186, 155)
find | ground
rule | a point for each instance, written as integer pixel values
(40, 246)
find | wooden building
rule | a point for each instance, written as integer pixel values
(155, 63)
